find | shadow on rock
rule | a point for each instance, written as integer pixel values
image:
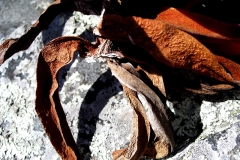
(95, 100)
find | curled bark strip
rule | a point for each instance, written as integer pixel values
(153, 106)
(232, 67)
(210, 90)
(140, 130)
(161, 147)
(199, 25)
(54, 56)
(165, 44)
(11, 46)
(182, 80)
(143, 59)
(220, 37)
(155, 76)
(156, 150)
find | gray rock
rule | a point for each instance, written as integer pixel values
(89, 90)
(206, 127)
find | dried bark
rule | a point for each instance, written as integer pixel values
(55, 55)
(220, 37)
(12, 46)
(140, 130)
(152, 105)
(166, 45)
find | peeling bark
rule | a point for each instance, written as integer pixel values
(55, 55)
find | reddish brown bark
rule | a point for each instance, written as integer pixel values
(55, 55)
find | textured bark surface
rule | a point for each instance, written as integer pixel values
(167, 45)
(55, 55)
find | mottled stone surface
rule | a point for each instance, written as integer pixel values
(87, 89)
(206, 127)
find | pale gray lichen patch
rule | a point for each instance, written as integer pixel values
(41, 4)
(15, 13)
(220, 125)
(116, 116)
(186, 117)
(215, 146)
(218, 116)
(20, 138)
(71, 24)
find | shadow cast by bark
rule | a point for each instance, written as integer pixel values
(55, 28)
(95, 100)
